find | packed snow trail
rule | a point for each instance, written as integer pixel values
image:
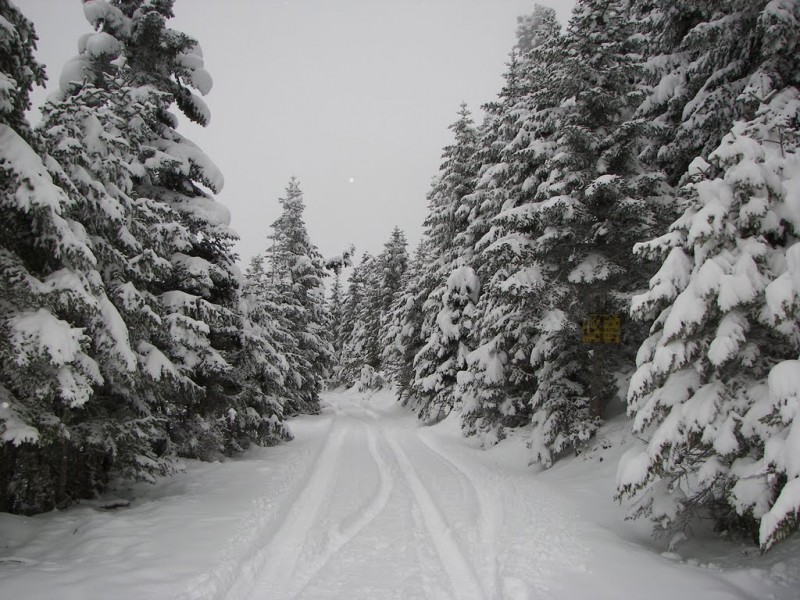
(364, 464)
(365, 504)
(388, 509)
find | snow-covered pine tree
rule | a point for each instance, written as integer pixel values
(266, 343)
(336, 304)
(443, 356)
(18, 68)
(188, 262)
(87, 133)
(336, 265)
(595, 204)
(295, 272)
(200, 298)
(404, 323)
(715, 392)
(497, 130)
(496, 389)
(354, 333)
(392, 262)
(372, 288)
(46, 365)
(369, 313)
(449, 306)
(700, 56)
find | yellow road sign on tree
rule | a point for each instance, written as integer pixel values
(601, 329)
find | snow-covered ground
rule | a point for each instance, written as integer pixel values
(366, 504)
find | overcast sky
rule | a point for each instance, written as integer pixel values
(352, 96)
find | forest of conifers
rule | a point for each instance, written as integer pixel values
(640, 163)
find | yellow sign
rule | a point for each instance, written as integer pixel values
(601, 329)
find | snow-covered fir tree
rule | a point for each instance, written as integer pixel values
(47, 370)
(715, 393)
(266, 343)
(496, 132)
(87, 133)
(18, 68)
(700, 56)
(336, 304)
(496, 388)
(294, 274)
(392, 265)
(369, 313)
(129, 264)
(449, 306)
(359, 327)
(404, 323)
(336, 265)
(366, 308)
(199, 297)
(595, 203)
(443, 356)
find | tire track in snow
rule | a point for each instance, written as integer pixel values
(461, 574)
(249, 540)
(489, 522)
(271, 568)
(341, 537)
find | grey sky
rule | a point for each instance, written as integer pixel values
(329, 91)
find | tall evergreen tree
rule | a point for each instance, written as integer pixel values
(199, 293)
(47, 370)
(449, 305)
(18, 68)
(262, 362)
(496, 388)
(295, 273)
(132, 263)
(393, 262)
(497, 131)
(87, 133)
(404, 323)
(711, 393)
(595, 204)
(359, 340)
(702, 56)
(336, 303)
(372, 289)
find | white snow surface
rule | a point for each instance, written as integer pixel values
(103, 44)
(366, 504)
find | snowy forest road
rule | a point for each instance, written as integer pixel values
(365, 504)
(388, 509)
(367, 522)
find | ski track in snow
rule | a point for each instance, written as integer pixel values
(373, 509)
(460, 572)
(273, 566)
(280, 569)
(489, 521)
(246, 547)
(386, 509)
(289, 560)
